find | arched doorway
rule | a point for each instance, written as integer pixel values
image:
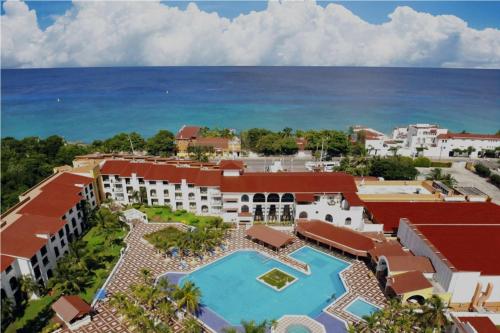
(287, 197)
(329, 218)
(244, 198)
(273, 197)
(245, 209)
(303, 215)
(259, 197)
(416, 299)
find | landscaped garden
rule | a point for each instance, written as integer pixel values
(81, 272)
(277, 278)
(197, 241)
(166, 214)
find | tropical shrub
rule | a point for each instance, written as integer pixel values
(482, 170)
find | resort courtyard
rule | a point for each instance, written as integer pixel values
(332, 291)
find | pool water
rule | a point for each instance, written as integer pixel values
(297, 328)
(361, 308)
(230, 287)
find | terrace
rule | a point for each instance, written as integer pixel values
(358, 279)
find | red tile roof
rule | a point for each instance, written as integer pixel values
(389, 213)
(216, 143)
(304, 197)
(341, 238)
(162, 172)
(55, 202)
(269, 235)
(407, 282)
(467, 248)
(71, 307)
(293, 182)
(480, 324)
(469, 136)
(388, 248)
(231, 165)
(409, 263)
(19, 239)
(188, 132)
(5, 261)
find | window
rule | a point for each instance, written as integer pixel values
(56, 250)
(61, 233)
(37, 272)
(177, 187)
(91, 186)
(104, 178)
(34, 260)
(303, 215)
(73, 222)
(165, 183)
(329, 218)
(204, 198)
(8, 269)
(165, 193)
(43, 250)
(63, 243)
(79, 215)
(348, 221)
(244, 198)
(152, 182)
(245, 209)
(53, 238)
(13, 283)
(127, 180)
(71, 210)
(45, 261)
(191, 196)
(106, 186)
(63, 217)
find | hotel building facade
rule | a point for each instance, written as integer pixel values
(36, 232)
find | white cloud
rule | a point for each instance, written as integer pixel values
(286, 33)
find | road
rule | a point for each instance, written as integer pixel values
(465, 177)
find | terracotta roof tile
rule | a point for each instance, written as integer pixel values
(269, 235)
(188, 132)
(71, 307)
(409, 263)
(6, 261)
(480, 324)
(409, 281)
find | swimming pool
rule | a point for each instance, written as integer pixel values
(361, 308)
(230, 287)
(297, 328)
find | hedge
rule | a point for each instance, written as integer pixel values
(482, 170)
(441, 164)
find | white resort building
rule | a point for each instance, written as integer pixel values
(428, 140)
(36, 232)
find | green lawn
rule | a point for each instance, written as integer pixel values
(277, 278)
(165, 214)
(37, 313)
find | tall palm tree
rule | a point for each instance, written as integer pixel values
(188, 297)
(434, 313)
(29, 287)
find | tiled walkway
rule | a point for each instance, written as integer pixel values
(140, 254)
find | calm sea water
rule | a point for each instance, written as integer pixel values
(89, 103)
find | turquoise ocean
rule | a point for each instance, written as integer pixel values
(83, 104)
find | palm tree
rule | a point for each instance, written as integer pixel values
(29, 287)
(433, 315)
(438, 175)
(188, 297)
(143, 195)
(135, 196)
(253, 327)
(191, 325)
(146, 275)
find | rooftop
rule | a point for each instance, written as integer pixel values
(434, 213)
(407, 282)
(188, 132)
(480, 324)
(466, 247)
(469, 136)
(269, 235)
(71, 307)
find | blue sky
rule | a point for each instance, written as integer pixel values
(478, 14)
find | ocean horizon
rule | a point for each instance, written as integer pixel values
(84, 104)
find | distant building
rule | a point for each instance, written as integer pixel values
(190, 136)
(428, 140)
